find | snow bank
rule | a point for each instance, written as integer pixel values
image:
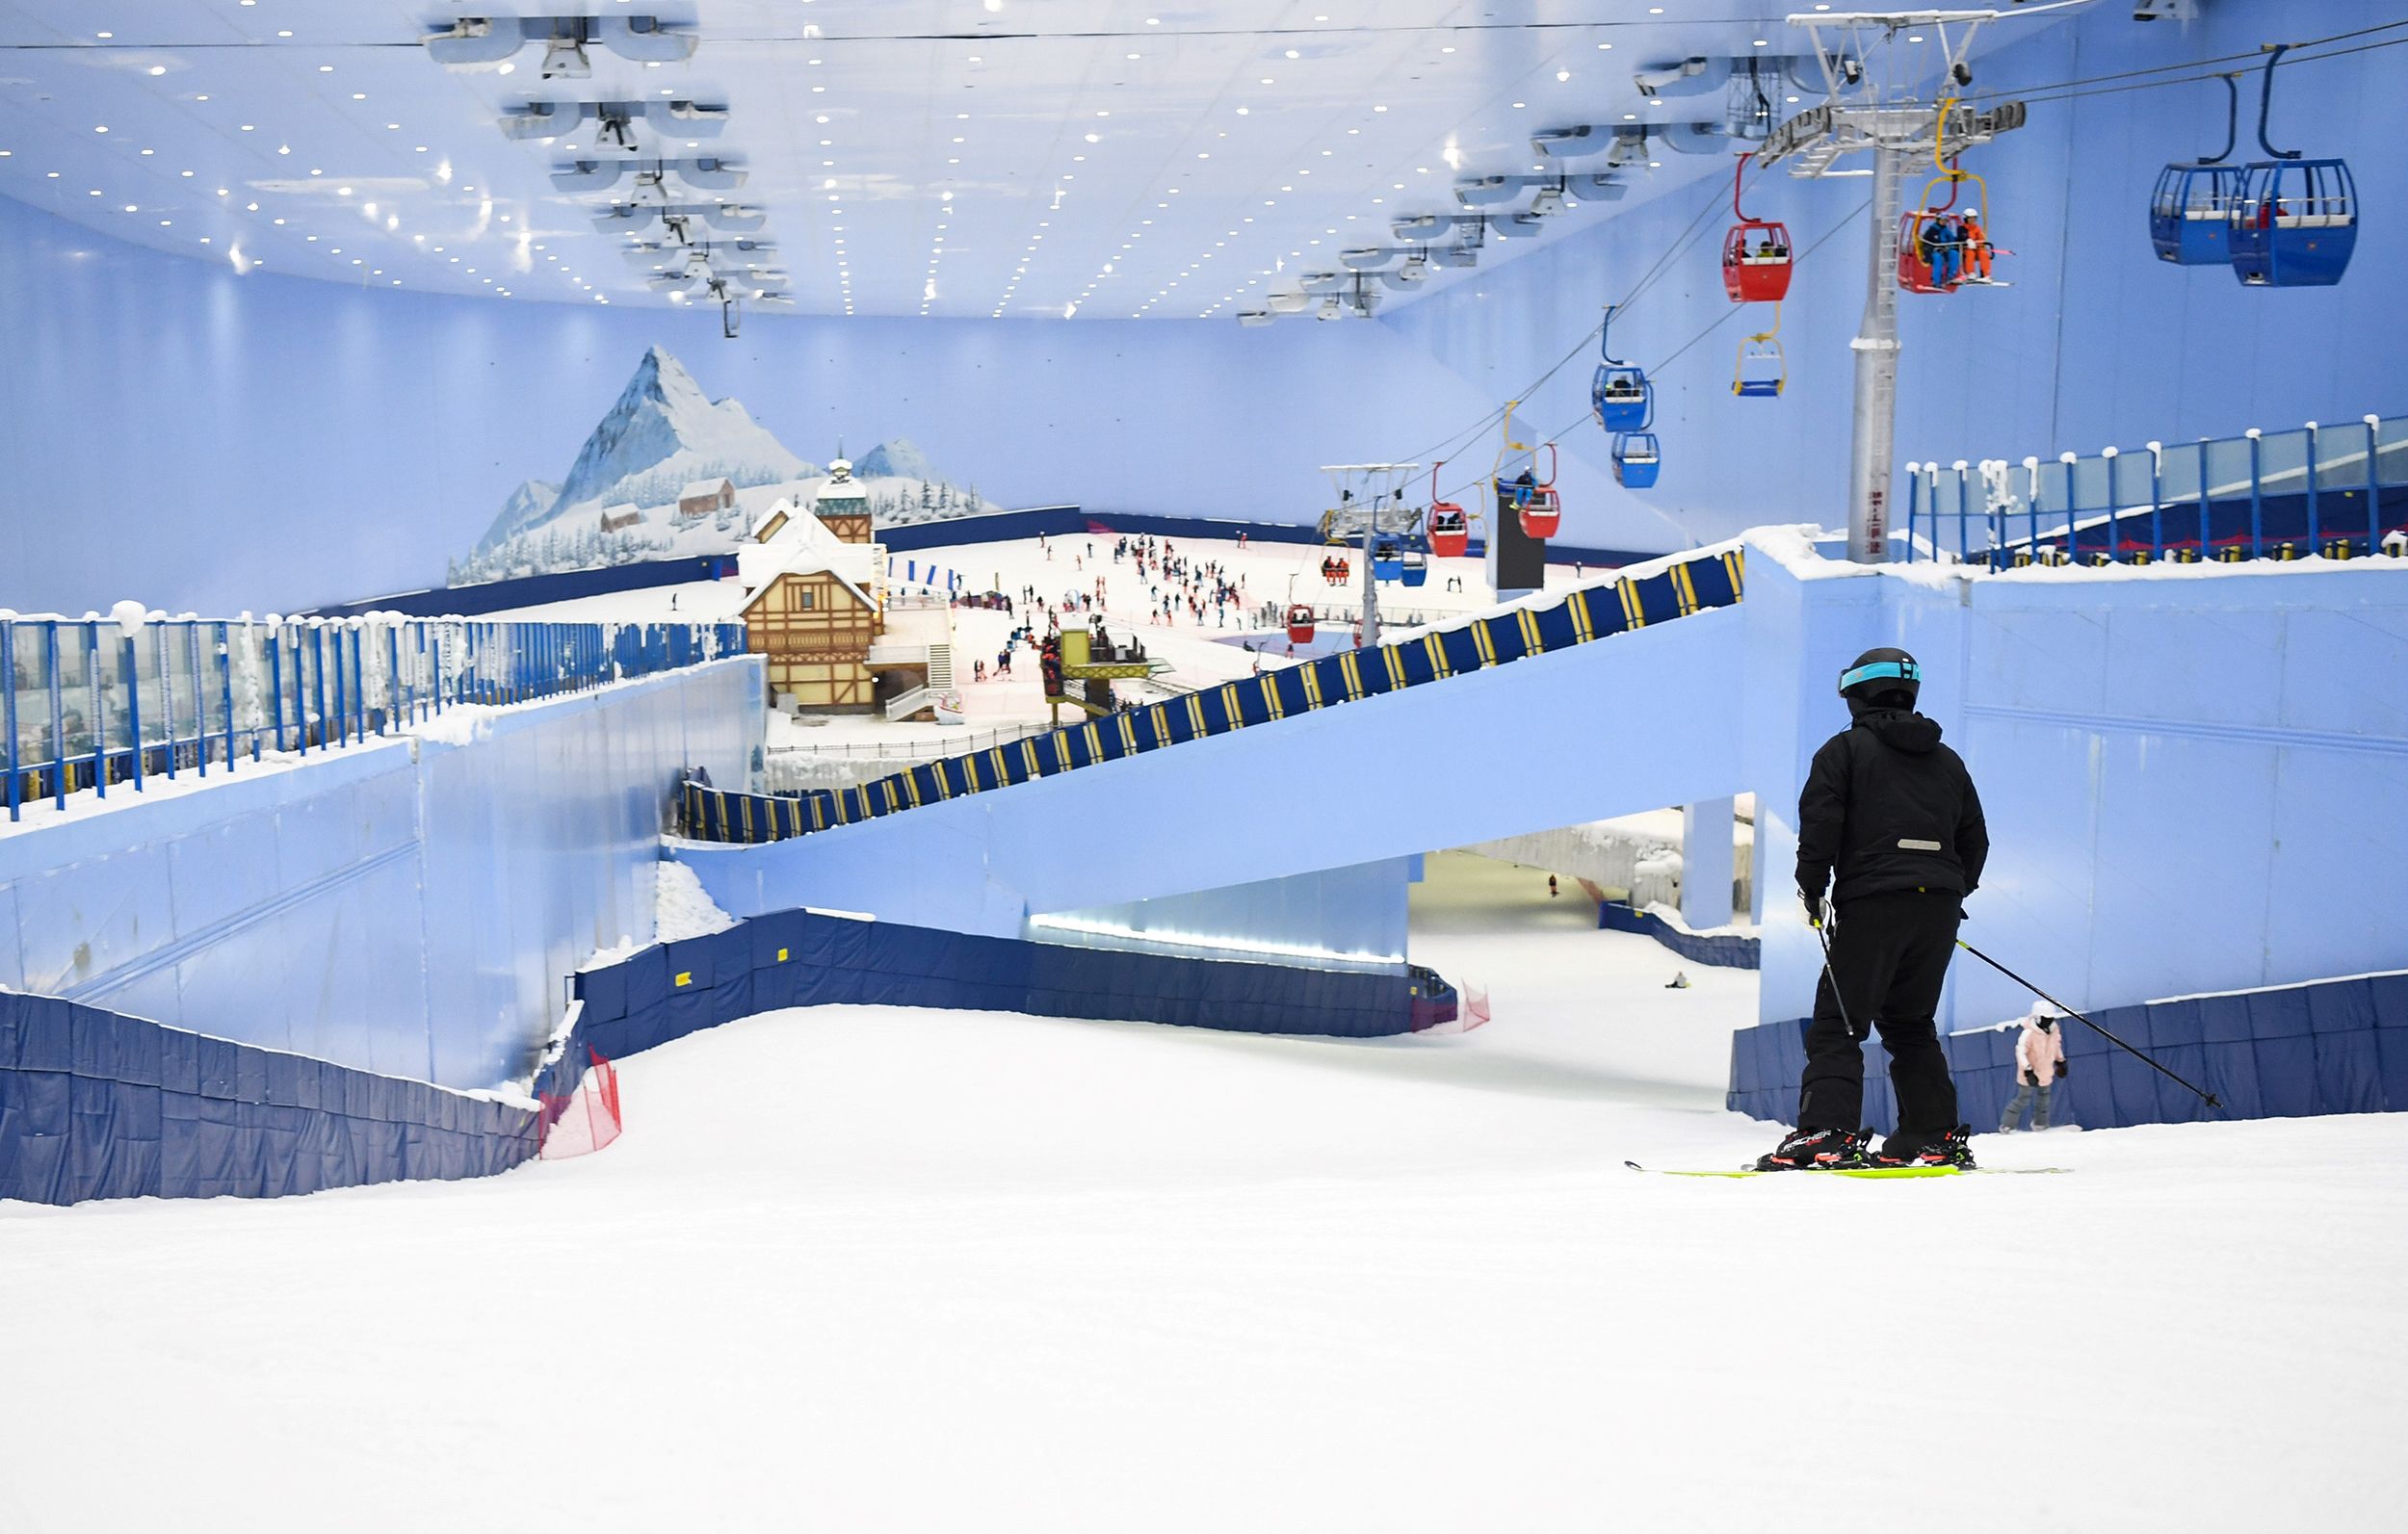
(681, 908)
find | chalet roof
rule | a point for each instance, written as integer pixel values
(808, 567)
(702, 488)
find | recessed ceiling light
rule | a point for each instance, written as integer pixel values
(157, 70)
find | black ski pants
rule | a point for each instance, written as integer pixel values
(1890, 953)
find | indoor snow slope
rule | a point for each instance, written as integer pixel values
(875, 1268)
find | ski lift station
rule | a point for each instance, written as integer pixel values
(996, 764)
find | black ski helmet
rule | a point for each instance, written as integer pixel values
(1877, 673)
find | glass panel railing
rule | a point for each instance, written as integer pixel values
(204, 692)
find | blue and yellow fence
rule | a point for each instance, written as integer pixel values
(1594, 612)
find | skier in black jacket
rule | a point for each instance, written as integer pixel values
(1893, 815)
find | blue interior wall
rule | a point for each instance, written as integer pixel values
(407, 907)
(280, 442)
(1358, 910)
(2097, 342)
(2192, 780)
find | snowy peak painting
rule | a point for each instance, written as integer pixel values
(626, 496)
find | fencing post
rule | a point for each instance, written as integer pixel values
(393, 677)
(2315, 522)
(1964, 508)
(276, 680)
(97, 723)
(2257, 499)
(58, 719)
(225, 689)
(318, 670)
(2114, 528)
(200, 714)
(1914, 508)
(158, 637)
(359, 682)
(2375, 494)
(134, 707)
(7, 708)
(2073, 512)
(2157, 502)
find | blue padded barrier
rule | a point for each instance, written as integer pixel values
(99, 1105)
(1726, 949)
(1592, 613)
(532, 590)
(2286, 1052)
(803, 958)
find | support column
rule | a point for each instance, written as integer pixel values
(1708, 863)
(1877, 347)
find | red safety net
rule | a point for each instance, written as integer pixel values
(586, 1120)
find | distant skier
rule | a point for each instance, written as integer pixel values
(1551, 886)
(1889, 819)
(2039, 1065)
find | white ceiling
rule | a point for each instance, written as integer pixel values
(967, 158)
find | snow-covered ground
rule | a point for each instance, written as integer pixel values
(1200, 654)
(875, 1268)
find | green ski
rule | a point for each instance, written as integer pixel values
(1859, 1171)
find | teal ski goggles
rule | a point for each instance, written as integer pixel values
(1877, 670)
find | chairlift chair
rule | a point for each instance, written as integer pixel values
(1940, 244)
(1636, 458)
(1762, 371)
(1755, 252)
(1449, 529)
(1537, 506)
(2295, 220)
(1619, 393)
(2191, 210)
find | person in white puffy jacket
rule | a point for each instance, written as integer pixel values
(2039, 1065)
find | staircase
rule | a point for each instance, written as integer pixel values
(904, 704)
(941, 667)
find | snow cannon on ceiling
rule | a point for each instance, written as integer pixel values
(650, 178)
(613, 123)
(482, 42)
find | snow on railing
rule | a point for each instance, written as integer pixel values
(95, 703)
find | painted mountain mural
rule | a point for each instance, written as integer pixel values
(617, 504)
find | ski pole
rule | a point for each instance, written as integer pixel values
(1823, 936)
(2212, 1098)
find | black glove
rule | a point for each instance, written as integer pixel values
(2030, 1079)
(1814, 906)
(2062, 1070)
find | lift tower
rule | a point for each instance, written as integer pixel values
(1884, 96)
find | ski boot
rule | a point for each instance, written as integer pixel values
(1826, 1150)
(1928, 1148)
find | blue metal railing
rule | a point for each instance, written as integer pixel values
(90, 705)
(2333, 490)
